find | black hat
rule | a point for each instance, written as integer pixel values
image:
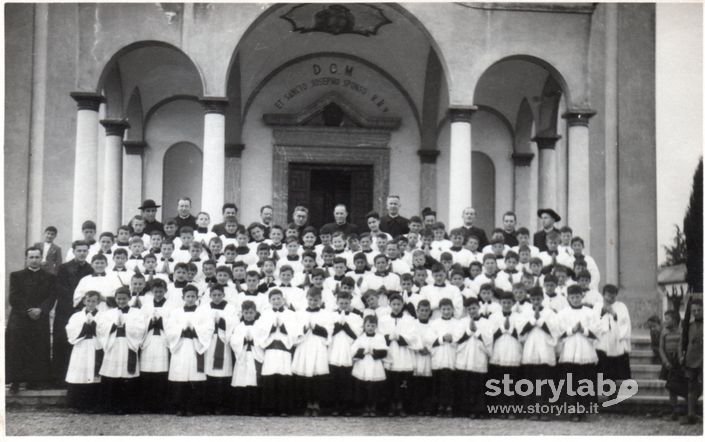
(552, 213)
(148, 204)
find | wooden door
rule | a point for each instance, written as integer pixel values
(320, 187)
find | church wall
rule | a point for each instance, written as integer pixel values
(597, 123)
(637, 159)
(257, 162)
(177, 121)
(60, 123)
(559, 38)
(257, 157)
(490, 136)
(112, 26)
(19, 29)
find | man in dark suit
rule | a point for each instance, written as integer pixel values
(67, 279)
(469, 229)
(184, 216)
(51, 253)
(340, 213)
(27, 339)
(509, 222)
(149, 213)
(392, 222)
(548, 219)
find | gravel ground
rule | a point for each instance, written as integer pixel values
(62, 423)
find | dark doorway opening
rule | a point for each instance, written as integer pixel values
(320, 187)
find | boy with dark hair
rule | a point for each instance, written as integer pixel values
(218, 357)
(82, 375)
(120, 331)
(280, 332)
(310, 362)
(578, 326)
(346, 329)
(51, 253)
(188, 333)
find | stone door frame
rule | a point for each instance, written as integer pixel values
(328, 145)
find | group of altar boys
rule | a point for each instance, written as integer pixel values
(355, 325)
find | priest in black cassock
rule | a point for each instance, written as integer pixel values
(67, 278)
(27, 345)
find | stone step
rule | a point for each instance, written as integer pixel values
(36, 398)
(643, 346)
(645, 371)
(643, 357)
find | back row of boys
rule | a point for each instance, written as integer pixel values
(155, 253)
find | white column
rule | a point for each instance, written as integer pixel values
(611, 148)
(213, 185)
(85, 171)
(132, 178)
(522, 188)
(460, 169)
(579, 173)
(548, 194)
(112, 174)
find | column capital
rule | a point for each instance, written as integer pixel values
(578, 117)
(233, 150)
(461, 113)
(214, 105)
(522, 159)
(87, 100)
(115, 127)
(428, 156)
(134, 147)
(546, 141)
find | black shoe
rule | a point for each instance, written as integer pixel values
(14, 388)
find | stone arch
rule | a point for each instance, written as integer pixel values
(124, 72)
(557, 76)
(142, 44)
(297, 60)
(272, 9)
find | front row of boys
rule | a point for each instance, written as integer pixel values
(278, 361)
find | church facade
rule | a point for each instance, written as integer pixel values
(501, 107)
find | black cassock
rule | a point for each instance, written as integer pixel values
(27, 346)
(67, 279)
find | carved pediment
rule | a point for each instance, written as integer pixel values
(332, 110)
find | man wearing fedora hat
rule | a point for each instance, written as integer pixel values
(548, 218)
(149, 213)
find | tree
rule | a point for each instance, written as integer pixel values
(676, 253)
(693, 230)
